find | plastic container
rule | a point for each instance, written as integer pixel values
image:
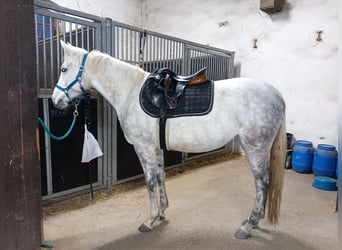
(288, 162)
(290, 140)
(325, 183)
(302, 156)
(324, 161)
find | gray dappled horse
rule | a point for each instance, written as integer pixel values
(253, 110)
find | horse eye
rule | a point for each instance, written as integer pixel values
(64, 70)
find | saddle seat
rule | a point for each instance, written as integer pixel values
(197, 78)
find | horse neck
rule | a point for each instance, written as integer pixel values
(118, 82)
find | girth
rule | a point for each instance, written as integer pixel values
(167, 95)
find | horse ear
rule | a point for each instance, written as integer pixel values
(65, 47)
(63, 44)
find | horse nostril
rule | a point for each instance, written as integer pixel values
(59, 104)
(62, 105)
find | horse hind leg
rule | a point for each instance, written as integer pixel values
(261, 173)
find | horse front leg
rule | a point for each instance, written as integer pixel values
(151, 183)
(148, 160)
(164, 203)
(155, 176)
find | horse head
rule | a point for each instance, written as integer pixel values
(70, 85)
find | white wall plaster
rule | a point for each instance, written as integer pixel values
(125, 11)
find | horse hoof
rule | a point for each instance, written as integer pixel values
(242, 235)
(144, 229)
(161, 217)
(244, 222)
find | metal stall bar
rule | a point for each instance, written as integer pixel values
(109, 115)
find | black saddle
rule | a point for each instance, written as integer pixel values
(164, 88)
(167, 95)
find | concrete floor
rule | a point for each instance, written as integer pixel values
(207, 206)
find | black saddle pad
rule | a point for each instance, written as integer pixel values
(195, 100)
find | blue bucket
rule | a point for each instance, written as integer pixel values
(324, 162)
(302, 156)
(325, 183)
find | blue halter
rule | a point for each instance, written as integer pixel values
(77, 80)
(76, 102)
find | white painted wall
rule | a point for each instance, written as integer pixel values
(288, 55)
(125, 11)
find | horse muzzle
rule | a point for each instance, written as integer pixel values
(60, 101)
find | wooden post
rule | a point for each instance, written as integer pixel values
(20, 186)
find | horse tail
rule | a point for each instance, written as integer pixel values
(277, 164)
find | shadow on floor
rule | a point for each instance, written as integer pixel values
(161, 238)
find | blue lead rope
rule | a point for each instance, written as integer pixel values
(60, 138)
(46, 245)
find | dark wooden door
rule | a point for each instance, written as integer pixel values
(20, 186)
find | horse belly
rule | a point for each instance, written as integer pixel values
(198, 134)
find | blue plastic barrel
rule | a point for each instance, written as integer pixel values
(302, 156)
(324, 162)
